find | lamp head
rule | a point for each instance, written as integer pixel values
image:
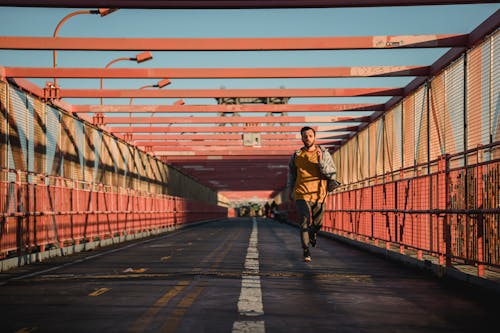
(106, 11)
(179, 102)
(144, 56)
(163, 83)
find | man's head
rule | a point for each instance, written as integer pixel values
(308, 135)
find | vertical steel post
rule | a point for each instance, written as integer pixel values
(444, 204)
(480, 216)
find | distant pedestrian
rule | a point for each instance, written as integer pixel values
(267, 210)
(308, 171)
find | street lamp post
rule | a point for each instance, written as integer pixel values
(141, 57)
(160, 84)
(100, 11)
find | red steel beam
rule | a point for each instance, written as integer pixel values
(202, 137)
(232, 120)
(259, 167)
(223, 149)
(227, 129)
(227, 108)
(183, 160)
(218, 146)
(220, 136)
(209, 73)
(226, 152)
(256, 169)
(233, 160)
(214, 93)
(225, 4)
(226, 143)
(232, 177)
(233, 44)
(219, 153)
(477, 35)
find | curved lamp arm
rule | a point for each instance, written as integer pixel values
(101, 11)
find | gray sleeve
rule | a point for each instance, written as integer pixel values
(292, 173)
(327, 166)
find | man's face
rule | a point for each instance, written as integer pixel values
(308, 138)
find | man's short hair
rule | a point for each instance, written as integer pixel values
(307, 128)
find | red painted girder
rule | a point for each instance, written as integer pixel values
(235, 160)
(267, 143)
(233, 44)
(229, 173)
(243, 184)
(250, 187)
(218, 154)
(238, 167)
(227, 108)
(213, 93)
(223, 169)
(190, 162)
(226, 129)
(225, 4)
(202, 73)
(266, 178)
(248, 169)
(200, 137)
(221, 149)
(225, 143)
(232, 159)
(233, 120)
(486, 27)
(245, 196)
(232, 176)
(202, 166)
(242, 174)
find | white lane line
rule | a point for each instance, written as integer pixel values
(250, 301)
(249, 326)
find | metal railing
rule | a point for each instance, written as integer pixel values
(451, 213)
(38, 211)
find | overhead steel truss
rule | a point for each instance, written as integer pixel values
(185, 141)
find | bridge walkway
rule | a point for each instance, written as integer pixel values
(236, 275)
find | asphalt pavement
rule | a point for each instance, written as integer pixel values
(236, 275)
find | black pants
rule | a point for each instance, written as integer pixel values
(310, 219)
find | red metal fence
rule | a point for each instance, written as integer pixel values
(450, 212)
(39, 212)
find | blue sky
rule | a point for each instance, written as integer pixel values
(241, 23)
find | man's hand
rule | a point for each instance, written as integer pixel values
(320, 154)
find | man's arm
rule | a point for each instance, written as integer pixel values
(292, 176)
(327, 166)
(292, 173)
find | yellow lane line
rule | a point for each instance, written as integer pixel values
(175, 318)
(99, 292)
(142, 323)
(173, 321)
(27, 329)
